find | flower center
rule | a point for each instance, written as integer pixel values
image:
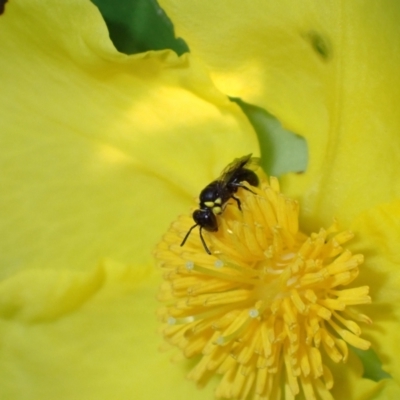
(269, 303)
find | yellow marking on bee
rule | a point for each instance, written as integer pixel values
(217, 210)
(209, 204)
(218, 201)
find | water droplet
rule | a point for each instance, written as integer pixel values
(171, 321)
(220, 341)
(253, 313)
(189, 265)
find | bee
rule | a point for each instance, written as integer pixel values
(214, 196)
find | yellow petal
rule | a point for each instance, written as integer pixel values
(377, 234)
(100, 150)
(349, 383)
(328, 71)
(105, 347)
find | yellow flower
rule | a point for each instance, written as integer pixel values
(329, 73)
(266, 302)
(97, 150)
(100, 151)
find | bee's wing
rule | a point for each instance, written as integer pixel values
(253, 163)
(238, 163)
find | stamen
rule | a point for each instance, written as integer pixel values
(269, 306)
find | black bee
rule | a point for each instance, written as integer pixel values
(215, 195)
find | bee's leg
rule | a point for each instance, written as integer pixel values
(239, 185)
(204, 242)
(238, 202)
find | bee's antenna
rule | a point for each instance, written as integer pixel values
(187, 235)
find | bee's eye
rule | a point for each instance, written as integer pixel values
(206, 219)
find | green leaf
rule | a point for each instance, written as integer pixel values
(372, 365)
(136, 26)
(282, 151)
